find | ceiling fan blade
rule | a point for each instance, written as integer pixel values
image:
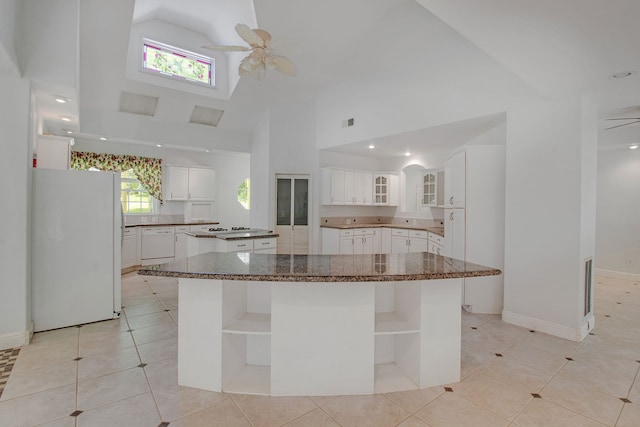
(249, 35)
(281, 63)
(624, 118)
(231, 48)
(624, 124)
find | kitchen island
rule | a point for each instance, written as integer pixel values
(313, 325)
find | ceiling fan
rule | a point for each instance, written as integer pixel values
(261, 57)
(635, 120)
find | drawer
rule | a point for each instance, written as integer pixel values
(437, 239)
(363, 232)
(418, 234)
(182, 228)
(399, 232)
(269, 243)
(240, 245)
(129, 232)
(346, 233)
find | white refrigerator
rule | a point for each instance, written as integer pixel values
(76, 239)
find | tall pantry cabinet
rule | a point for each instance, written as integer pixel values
(474, 220)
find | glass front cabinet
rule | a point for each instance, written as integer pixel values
(433, 188)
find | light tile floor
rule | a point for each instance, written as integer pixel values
(124, 372)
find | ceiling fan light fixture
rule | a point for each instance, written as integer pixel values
(262, 57)
(622, 74)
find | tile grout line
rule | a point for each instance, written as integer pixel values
(135, 345)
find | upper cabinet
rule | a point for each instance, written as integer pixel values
(433, 188)
(53, 152)
(454, 180)
(350, 187)
(194, 184)
(385, 189)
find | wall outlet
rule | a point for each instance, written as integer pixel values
(154, 219)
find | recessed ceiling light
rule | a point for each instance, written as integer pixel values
(207, 150)
(158, 145)
(103, 138)
(371, 146)
(633, 147)
(61, 99)
(65, 118)
(407, 153)
(622, 74)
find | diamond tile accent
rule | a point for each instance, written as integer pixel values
(142, 365)
(129, 330)
(77, 358)
(625, 400)
(473, 327)
(163, 424)
(449, 389)
(569, 358)
(75, 413)
(7, 360)
(498, 354)
(532, 331)
(536, 395)
(606, 315)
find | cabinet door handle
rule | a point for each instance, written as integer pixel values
(451, 200)
(451, 216)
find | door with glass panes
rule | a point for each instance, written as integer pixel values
(292, 213)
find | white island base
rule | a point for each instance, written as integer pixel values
(318, 338)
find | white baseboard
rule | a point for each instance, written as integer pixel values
(562, 331)
(16, 340)
(617, 274)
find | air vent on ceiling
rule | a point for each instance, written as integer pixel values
(205, 116)
(138, 104)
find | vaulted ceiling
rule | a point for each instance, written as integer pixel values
(550, 49)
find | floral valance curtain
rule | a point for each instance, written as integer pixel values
(147, 170)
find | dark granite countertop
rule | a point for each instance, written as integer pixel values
(233, 235)
(318, 268)
(169, 224)
(437, 230)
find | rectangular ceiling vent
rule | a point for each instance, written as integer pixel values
(206, 116)
(138, 104)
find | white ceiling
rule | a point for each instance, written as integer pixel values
(559, 48)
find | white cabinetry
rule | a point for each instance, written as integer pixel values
(474, 220)
(185, 183)
(181, 241)
(351, 241)
(333, 188)
(130, 247)
(454, 180)
(351, 187)
(385, 189)
(436, 244)
(53, 152)
(403, 241)
(433, 188)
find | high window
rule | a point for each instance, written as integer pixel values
(177, 63)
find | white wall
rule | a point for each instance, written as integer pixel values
(9, 12)
(231, 170)
(15, 192)
(262, 213)
(618, 212)
(549, 147)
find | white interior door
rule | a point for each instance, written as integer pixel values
(292, 213)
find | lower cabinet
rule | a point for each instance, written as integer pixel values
(351, 241)
(129, 248)
(181, 242)
(403, 241)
